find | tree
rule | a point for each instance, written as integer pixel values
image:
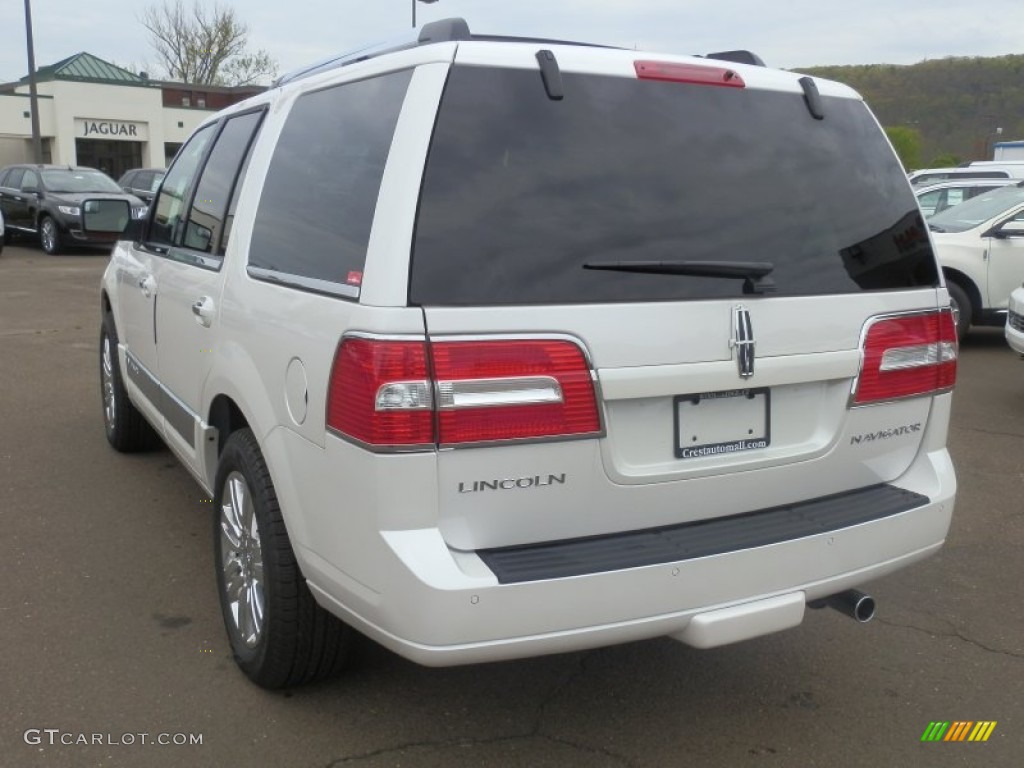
(907, 143)
(945, 160)
(204, 45)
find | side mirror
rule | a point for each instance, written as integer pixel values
(113, 217)
(1012, 228)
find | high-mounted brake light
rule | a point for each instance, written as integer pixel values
(390, 394)
(696, 74)
(907, 356)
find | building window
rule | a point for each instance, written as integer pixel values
(186, 101)
(201, 102)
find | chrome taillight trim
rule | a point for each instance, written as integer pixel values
(918, 356)
(498, 392)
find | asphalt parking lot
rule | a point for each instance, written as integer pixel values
(111, 628)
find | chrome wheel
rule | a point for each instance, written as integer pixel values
(242, 559)
(48, 235)
(107, 381)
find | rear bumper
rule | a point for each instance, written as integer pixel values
(442, 607)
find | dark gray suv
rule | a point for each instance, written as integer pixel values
(48, 202)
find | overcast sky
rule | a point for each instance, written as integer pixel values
(785, 33)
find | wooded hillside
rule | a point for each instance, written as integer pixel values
(955, 104)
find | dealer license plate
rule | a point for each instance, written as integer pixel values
(719, 423)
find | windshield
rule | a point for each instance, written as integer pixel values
(521, 192)
(78, 180)
(977, 210)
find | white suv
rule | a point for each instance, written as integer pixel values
(980, 247)
(491, 348)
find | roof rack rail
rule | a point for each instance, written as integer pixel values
(737, 57)
(441, 31)
(540, 40)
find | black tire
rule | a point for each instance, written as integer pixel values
(286, 638)
(127, 429)
(49, 235)
(962, 308)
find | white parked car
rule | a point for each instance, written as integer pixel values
(978, 170)
(1015, 321)
(980, 245)
(490, 349)
(936, 198)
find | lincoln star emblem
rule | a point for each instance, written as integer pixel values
(743, 341)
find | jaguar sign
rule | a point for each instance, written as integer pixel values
(110, 129)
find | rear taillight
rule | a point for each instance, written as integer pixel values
(907, 356)
(380, 393)
(485, 391)
(513, 390)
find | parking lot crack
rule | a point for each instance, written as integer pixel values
(536, 732)
(466, 743)
(996, 432)
(954, 633)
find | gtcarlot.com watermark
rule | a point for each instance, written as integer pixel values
(54, 737)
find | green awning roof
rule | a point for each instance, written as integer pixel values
(85, 66)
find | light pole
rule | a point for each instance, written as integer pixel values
(33, 95)
(413, 9)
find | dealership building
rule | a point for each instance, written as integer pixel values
(96, 114)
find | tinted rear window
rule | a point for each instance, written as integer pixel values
(520, 191)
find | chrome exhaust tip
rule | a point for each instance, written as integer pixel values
(853, 603)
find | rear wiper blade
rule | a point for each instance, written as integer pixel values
(753, 273)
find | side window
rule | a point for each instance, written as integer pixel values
(30, 180)
(141, 180)
(230, 218)
(929, 202)
(127, 179)
(320, 194)
(210, 204)
(170, 204)
(14, 178)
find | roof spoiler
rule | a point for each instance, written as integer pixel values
(737, 57)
